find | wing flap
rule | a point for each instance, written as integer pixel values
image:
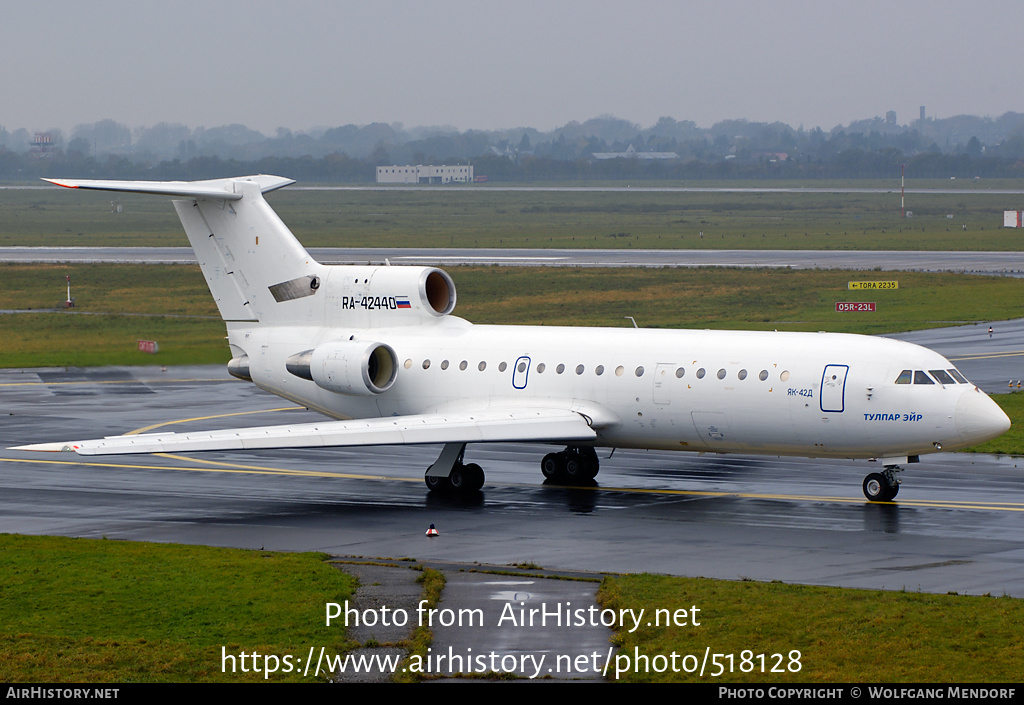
(483, 427)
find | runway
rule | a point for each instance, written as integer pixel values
(1003, 263)
(958, 524)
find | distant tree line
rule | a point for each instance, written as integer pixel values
(962, 147)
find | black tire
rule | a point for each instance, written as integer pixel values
(581, 464)
(553, 466)
(474, 477)
(878, 489)
(437, 484)
(458, 478)
(575, 468)
(593, 465)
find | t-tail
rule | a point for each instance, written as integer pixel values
(258, 271)
(249, 257)
(260, 275)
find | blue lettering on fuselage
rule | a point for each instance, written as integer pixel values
(913, 416)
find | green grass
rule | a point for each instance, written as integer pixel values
(1011, 442)
(843, 636)
(100, 330)
(73, 340)
(657, 298)
(763, 299)
(76, 610)
(489, 217)
(432, 583)
(80, 610)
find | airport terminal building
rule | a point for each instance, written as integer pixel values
(424, 174)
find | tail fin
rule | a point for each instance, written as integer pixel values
(250, 258)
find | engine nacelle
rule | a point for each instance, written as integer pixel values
(355, 367)
(369, 297)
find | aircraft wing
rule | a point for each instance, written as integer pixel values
(487, 426)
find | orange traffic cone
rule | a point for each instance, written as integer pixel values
(432, 532)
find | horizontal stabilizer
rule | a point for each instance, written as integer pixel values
(486, 426)
(216, 188)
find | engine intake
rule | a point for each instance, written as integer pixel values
(347, 367)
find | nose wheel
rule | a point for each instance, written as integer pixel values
(882, 486)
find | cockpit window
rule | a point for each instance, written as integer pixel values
(958, 377)
(921, 378)
(905, 377)
(942, 376)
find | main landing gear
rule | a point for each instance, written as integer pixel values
(574, 464)
(463, 478)
(882, 486)
(450, 474)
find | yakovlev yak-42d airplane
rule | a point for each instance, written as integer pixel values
(377, 349)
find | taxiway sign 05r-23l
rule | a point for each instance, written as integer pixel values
(377, 349)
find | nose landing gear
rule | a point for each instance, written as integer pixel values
(882, 486)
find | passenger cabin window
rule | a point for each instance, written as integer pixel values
(942, 376)
(921, 378)
(905, 377)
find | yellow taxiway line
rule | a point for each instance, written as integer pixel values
(236, 468)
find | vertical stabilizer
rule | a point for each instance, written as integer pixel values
(255, 267)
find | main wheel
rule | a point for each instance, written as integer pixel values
(474, 477)
(878, 489)
(458, 478)
(591, 464)
(575, 467)
(437, 484)
(553, 466)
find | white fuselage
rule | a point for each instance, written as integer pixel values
(379, 344)
(808, 394)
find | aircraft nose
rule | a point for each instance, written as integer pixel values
(978, 418)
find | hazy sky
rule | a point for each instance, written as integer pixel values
(483, 64)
